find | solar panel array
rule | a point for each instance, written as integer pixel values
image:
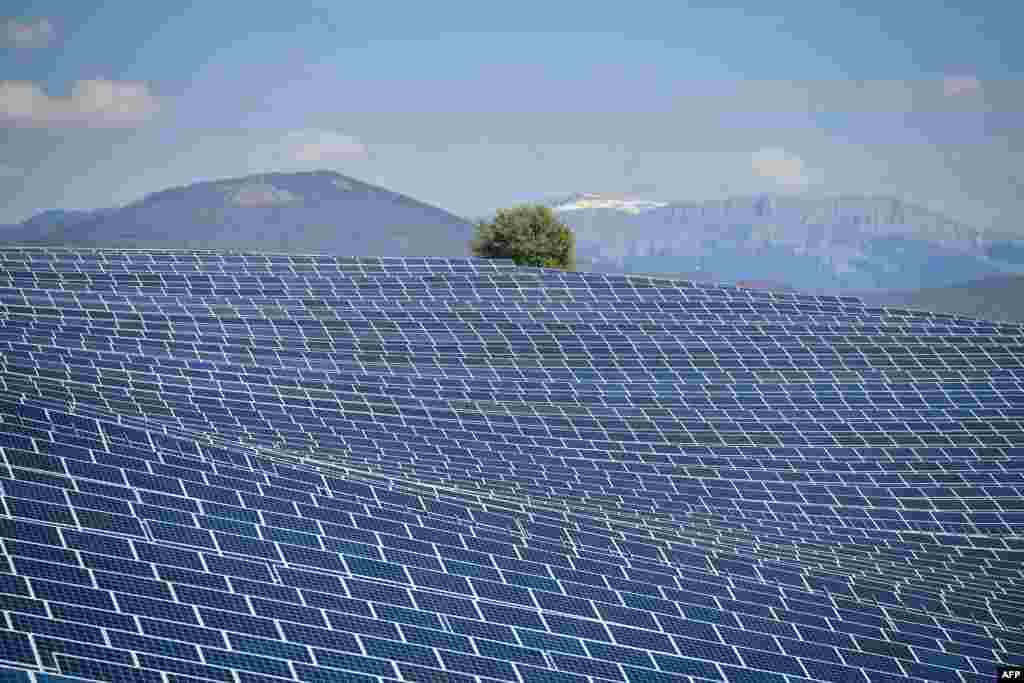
(251, 468)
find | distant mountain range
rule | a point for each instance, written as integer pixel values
(832, 245)
(318, 211)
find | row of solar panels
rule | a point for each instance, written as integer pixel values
(265, 339)
(480, 313)
(958, 459)
(326, 430)
(326, 421)
(212, 262)
(211, 258)
(570, 411)
(458, 335)
(255, 599)
(535, 379)
(92, 368)
(910, 385)
(406, 532)
(397, 333)
(637, 323)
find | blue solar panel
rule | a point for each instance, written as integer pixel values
(255, 468)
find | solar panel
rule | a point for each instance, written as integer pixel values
(246, 467)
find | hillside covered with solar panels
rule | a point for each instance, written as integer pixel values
(254, 468)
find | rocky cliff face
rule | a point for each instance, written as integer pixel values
(831, 245)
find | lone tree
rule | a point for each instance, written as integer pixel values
(529, 235)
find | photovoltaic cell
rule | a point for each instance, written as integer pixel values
(233, 466)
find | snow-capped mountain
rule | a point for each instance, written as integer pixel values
(833, 244)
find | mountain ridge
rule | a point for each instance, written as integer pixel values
(308, 211)
(829, 244)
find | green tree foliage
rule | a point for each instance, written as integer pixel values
(529, 235)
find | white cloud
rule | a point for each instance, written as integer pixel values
(95, 102)
(952, 86)
(316, 146)
(8, 171)
(779, 165)
(15, 33)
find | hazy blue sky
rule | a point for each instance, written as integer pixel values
(474, 105)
